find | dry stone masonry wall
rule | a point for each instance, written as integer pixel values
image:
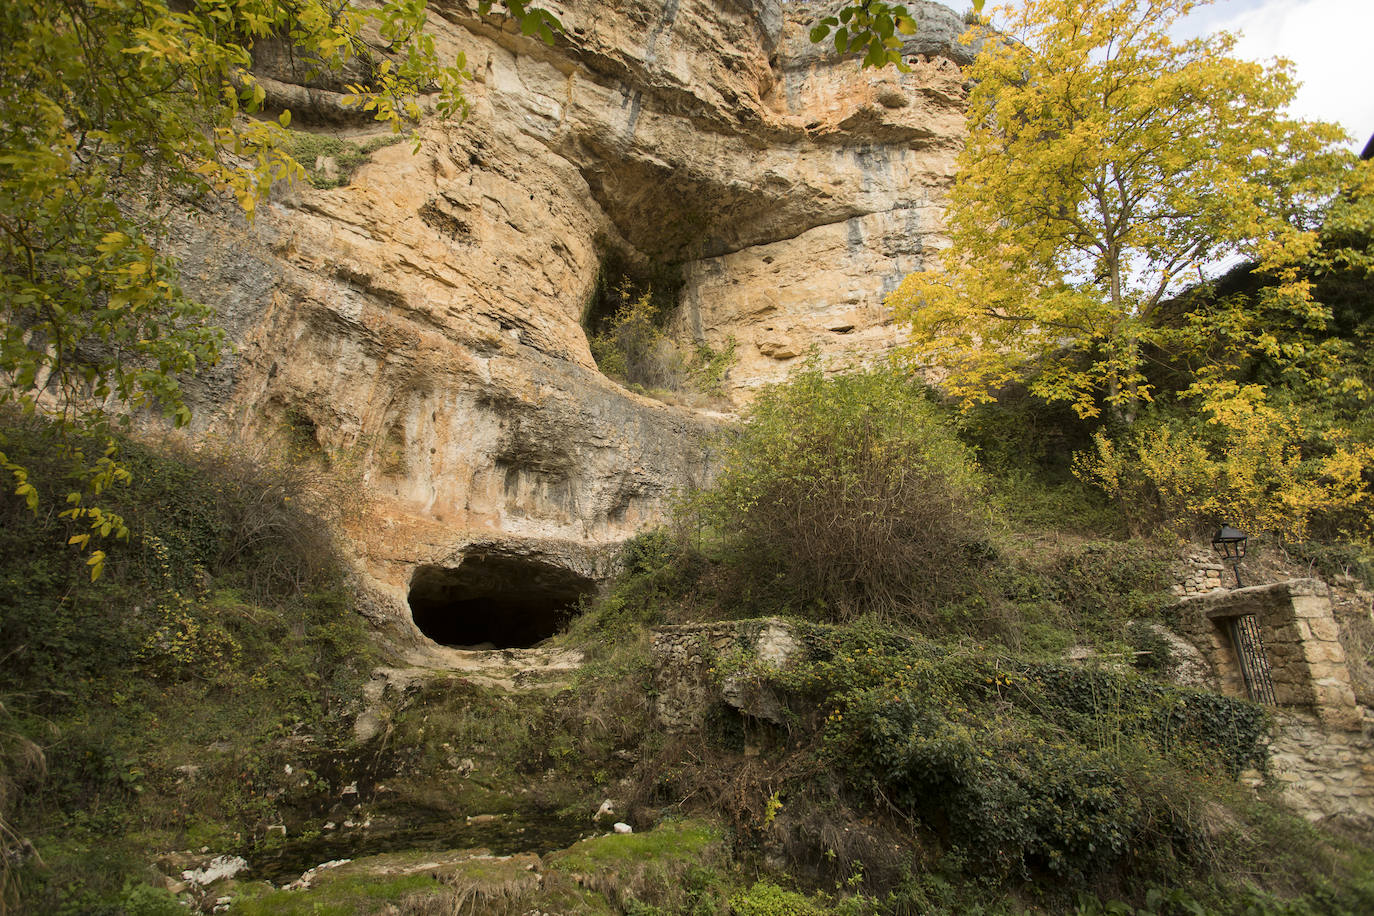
(1325, 773)
(1199, 573)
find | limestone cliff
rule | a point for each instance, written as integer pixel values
(427, 317)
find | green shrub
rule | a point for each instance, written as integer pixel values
(846, 495)
(1108, 581)
(633, 347)
(659, 573)
(1026, 447)
(145, 900)
(1153, 652)
(1021, 769)
(767, 899)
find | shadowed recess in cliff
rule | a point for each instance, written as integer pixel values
(499, 602)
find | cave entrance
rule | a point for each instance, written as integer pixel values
(497, 602)
(620, 283)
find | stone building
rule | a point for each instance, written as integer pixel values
(1280, 645)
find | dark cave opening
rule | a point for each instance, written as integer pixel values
(621, 283)
(499, 602)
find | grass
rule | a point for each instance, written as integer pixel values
(679, 866)
(671, 842)
(355, 894)
(348, 155)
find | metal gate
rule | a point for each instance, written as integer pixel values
(1254, 664)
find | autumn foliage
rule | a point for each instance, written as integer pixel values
(1108, 167)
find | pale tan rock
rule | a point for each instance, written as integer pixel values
(425, 320)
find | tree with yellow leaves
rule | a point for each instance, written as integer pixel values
(1107, 166)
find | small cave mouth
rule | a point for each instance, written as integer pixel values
(620, 282)
(497, 602)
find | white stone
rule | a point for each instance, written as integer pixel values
(218, 869)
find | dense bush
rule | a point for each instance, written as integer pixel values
(1020, 768)
(1026, 447)
(222, 620)
(263, 522)
(767, 899)
(848, 494)
(201, 523)
(1258, 464)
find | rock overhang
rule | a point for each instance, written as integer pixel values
(426, 318)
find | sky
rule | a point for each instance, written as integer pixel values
(1330, 42)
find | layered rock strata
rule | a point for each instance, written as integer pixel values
(423, 324)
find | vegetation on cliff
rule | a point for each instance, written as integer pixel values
(632, 345)
(921, 755)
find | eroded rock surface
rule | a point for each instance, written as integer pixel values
(425, 320)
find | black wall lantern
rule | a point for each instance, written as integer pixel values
(1230, 543)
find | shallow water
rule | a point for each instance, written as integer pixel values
(538, 834)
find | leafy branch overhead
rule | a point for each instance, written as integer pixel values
(532, 20)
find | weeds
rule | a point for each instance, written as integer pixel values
(330, 162)
(632, 346)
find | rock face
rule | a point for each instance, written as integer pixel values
(685, 681)
(425, 321)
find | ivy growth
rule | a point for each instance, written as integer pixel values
(1018, 767)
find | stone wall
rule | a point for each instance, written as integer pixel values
(1197, 570)
(1322, 753)
(1301, 643)
(1198, 573)
(1325, 774)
